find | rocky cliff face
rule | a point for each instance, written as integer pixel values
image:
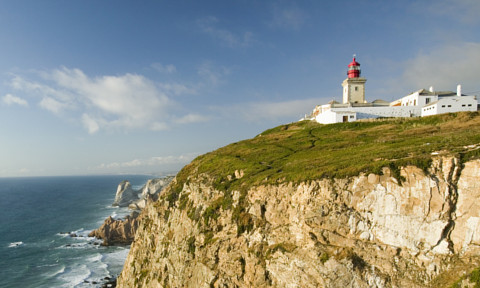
(364, 231)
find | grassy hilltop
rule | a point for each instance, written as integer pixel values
(306, 150)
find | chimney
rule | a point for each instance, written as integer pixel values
(431, 89)
(459, 90)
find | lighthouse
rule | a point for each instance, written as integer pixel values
(354, 85)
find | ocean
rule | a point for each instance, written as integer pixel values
(38, 217)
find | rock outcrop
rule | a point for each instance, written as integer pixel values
(117, 231)
(122, 231)
(421, 229)
(125, 194)
(149, 191)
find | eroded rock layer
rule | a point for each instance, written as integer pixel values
(420, 230)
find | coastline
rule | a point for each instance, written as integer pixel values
(43, 213)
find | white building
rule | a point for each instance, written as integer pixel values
(449, 102)
(419, 103)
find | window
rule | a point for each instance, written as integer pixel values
(443, 106)
(356, 88)
(449, 105)
(427, 100)
(469, 105)
(463, 105)
(351, 116)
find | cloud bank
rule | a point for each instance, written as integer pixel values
(127, 101)
(445, 67)
(9, 99)
(148, 164)
(269, 110)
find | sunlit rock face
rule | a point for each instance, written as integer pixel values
(420, 230)
(125, 194)
(117, 231)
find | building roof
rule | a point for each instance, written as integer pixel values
(425, 92)
(354, 63)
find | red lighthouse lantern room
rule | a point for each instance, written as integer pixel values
(353, 69)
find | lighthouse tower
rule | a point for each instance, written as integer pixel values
(354, 85)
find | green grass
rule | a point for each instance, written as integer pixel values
(304, 151)
(473, 277)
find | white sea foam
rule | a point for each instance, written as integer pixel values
(75, 275)
(88, 271)
(115, 260)
(15, 244)
(55, 272)
(74, 234)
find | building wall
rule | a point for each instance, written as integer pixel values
(354, 90)
(387, 111)
(450, 105)
(415, 99)
(329, 117)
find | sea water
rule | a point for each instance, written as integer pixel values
(44, 226)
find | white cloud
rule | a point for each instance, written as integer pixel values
(159, 126)
(289, 18)
(465, 11)
(9, 99)
(169, 69)
(176, 88)
(127, 101)
(133, 100)
(52, 105)
(150, 162)
(90, 123)
(445, 67)
(269, 111)
(191, 118)
(211, 73)
(209, 25)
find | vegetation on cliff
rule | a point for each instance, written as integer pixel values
(306, 150)
(320, 197)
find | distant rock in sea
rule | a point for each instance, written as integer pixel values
(126, 196)
(122, 231)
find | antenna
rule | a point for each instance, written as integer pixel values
(354, 55)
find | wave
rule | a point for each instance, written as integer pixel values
(15, 244)
(54, 273)
(75, 275)
(74, 234)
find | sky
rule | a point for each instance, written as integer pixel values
(143, 87)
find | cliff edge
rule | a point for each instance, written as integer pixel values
(388, 203)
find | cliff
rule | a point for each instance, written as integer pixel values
(257, 214)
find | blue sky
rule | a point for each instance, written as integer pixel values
(107, 87)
